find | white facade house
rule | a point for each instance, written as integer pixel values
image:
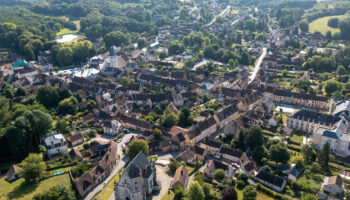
(55, 144)
(113, 127)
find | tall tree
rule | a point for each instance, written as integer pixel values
(33, 167)
(195, 191)
(254, 138)
(308, 153)
(48, 96)
(279, 153)
(136, 146)
(249, 193)
(184, 118)
(323, 156)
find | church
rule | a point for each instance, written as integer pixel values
(138, 180)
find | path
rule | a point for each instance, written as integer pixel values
(257, 65)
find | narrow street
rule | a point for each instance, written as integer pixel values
(257, 65)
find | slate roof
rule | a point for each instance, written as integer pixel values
(308, 115)
(270, 178)
(212, 143)
(226, 112)
(231, 152)
(76, 137)
(297, 95)
(330, 134)
(139, 163)
(198, 150)
(186, 155)
(214, 165)
(206, 124)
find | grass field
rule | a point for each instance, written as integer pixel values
(297, 139)
(21, 190)
(109, 188)
(321, 25)
(263, 196)
(168, 196)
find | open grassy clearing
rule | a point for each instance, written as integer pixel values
(19, 189)
(263, 196)
(168, 196)
(321, 25)
(297, 139)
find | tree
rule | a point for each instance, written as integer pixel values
(7, 91)
(141, 43)
(308, 153)
(333, 22)
(173, 164)
(323, 156)
(174, 49)
(195, 191)
(115, 38)
(180, 192)
(241, 140)
(303, 85)
(136, 146)
(249, 193)
(157, 134)
(63, 55)
(304, 26)
(68, 106)
(62, 126)
(91, 105)
(341, 70)
(169, 120)
(259, 153)
(21, 91)
(344, 26)
(59, 192)
(48, 96)
(208, 52)
(331, 86)
(33, 167)
(254, 138)
(25, 133)
(279, 153)
(184, 118)
(329, 36)
(219, 174)
(229, 193)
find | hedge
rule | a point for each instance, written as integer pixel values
(272, 193)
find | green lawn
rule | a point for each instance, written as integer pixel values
(179, 65)
(321, 25)
(21, 190)
(263, 196)
(168, 196)
(297, 139)
(109, 188)
(190, 169)
(239, 193)
(65, 31)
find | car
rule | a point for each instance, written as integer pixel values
(126, 130)
(119, 140)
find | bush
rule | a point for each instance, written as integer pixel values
(241, 184)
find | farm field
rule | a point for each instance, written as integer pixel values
(321, 25)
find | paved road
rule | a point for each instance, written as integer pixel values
(120, 164)
(164, 180)
(257, 65)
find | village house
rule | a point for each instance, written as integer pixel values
(76, 139)
(213, 165)
(211, 145)
(112, 127)
(135, 124)
(180, 177)
(55, 144)
(75, 154)
(272, 181)
(226, 116)
(138, 180)
(13, 173)
(202, 130)
(234, 155)
(333, 185)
